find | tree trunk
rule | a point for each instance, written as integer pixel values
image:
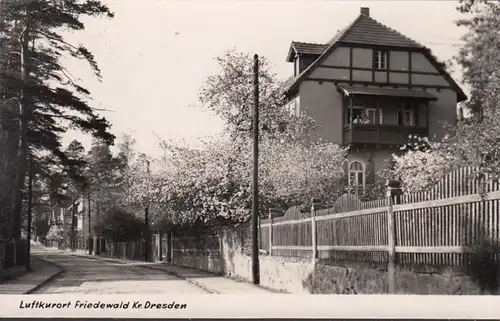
(23, 140)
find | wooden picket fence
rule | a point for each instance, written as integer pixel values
(7, 256)
(444, 225)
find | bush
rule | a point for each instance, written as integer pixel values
(55, 233)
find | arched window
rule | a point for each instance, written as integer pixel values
(357, 176)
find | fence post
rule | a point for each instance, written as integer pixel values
(2, 251)
(393, 190)
(15, 252)
(168, 249)
(314, 207)
(160, 246)
(270, 231)
(172, 247)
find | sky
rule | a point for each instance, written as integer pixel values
(155, 54)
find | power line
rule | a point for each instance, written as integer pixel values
(443, 44)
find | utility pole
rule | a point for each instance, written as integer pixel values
(255, 183)
(30, 212)
(147, 242)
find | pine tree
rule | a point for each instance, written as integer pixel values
(49, 99)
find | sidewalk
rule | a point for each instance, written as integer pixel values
(41, 273)
(210, 282)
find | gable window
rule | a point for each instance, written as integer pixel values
(357, 176)
(380, 59)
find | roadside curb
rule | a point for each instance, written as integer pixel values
(237, 279)
(195, 283)
(49, 279)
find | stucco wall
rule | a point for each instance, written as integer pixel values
(442, 111)
(374, 159)
(323, 103)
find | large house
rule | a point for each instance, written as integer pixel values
(369, 88)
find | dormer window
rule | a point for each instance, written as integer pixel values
(380, 60)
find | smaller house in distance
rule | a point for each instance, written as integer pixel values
(369, 88)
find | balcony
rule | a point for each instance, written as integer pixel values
(373, 134)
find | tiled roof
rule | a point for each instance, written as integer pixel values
(367, 31)
(364, 30)
(394, 92)
(307, 48)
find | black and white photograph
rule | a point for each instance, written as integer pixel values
(281, 147)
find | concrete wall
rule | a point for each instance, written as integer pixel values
(296, 275)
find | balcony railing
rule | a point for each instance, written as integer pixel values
(380, 134)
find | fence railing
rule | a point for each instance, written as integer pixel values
(349, 225)
(8, 257)
(80, 244)
(444, 225)
(134, 250)
(125, 250)
(58, 244)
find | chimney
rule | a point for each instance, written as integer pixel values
(365, 11)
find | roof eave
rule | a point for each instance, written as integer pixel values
(346, 92)
(291, 53)
(461, 96)
(327, 50)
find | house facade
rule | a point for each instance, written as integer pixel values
(369, 88)
(64, 214)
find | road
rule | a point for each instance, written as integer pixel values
(89, 276)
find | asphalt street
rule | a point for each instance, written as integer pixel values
(87, 276)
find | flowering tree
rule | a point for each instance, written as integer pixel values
(214, 183)
(422, 164)
(193, 185)
(473, 141)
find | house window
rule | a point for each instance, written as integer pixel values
(406, 116)
(380, 59)
(362, 115)
(293, 107)
(357, 114)
(374, 115)
(357, 176)
(79, 223)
